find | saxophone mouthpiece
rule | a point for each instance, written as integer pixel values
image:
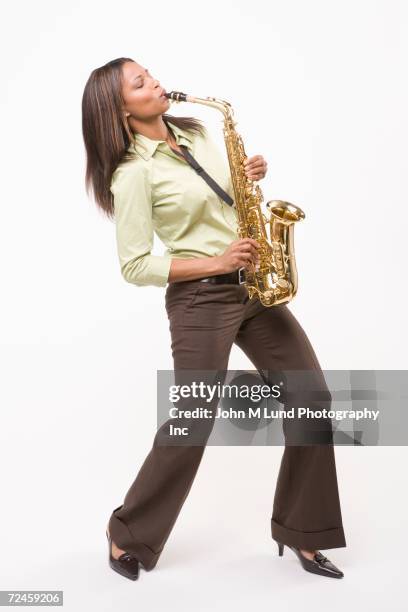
(177, 96)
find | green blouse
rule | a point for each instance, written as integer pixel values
(157, 191)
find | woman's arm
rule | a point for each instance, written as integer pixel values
(134, 229)
(238, 255)
(197, 267)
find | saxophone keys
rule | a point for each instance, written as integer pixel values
(282, 283)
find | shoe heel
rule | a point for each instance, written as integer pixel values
(280, 548)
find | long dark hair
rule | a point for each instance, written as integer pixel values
(106, 132)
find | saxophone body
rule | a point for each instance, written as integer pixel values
(274, 279)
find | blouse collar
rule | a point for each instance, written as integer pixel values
(146, 147)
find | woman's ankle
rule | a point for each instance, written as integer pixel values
(115, 550)
(309, 554)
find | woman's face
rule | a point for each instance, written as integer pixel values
(142, 93)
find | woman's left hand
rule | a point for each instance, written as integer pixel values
(255, 167)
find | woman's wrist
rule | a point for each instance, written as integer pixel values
(196, 267)
(215, 265)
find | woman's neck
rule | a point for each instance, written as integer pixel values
(156, 129)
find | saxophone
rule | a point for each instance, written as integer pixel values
(274, 279)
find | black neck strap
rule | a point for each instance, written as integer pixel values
(201, 172)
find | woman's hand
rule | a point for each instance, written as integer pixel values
(255, 167)
(239, 254)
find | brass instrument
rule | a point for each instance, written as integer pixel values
(274, 278)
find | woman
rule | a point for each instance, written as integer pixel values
(139, 176)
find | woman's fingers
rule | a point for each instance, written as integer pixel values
(249, 245)
(254, 162)
(255, 167)
(246, 251)
(248, 256)
(249, 248)
(252, 241)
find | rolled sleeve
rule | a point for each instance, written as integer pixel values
(134, 228)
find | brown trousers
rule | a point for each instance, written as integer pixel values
(205, 320)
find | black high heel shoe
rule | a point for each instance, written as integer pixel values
(319, 565)
(127, 564)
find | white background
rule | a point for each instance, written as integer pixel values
(319, 88)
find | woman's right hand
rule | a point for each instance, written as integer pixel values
(239, 254)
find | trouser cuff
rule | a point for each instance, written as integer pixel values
(308, 540)
(123, 539)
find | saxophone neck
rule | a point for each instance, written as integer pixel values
(222, 105)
